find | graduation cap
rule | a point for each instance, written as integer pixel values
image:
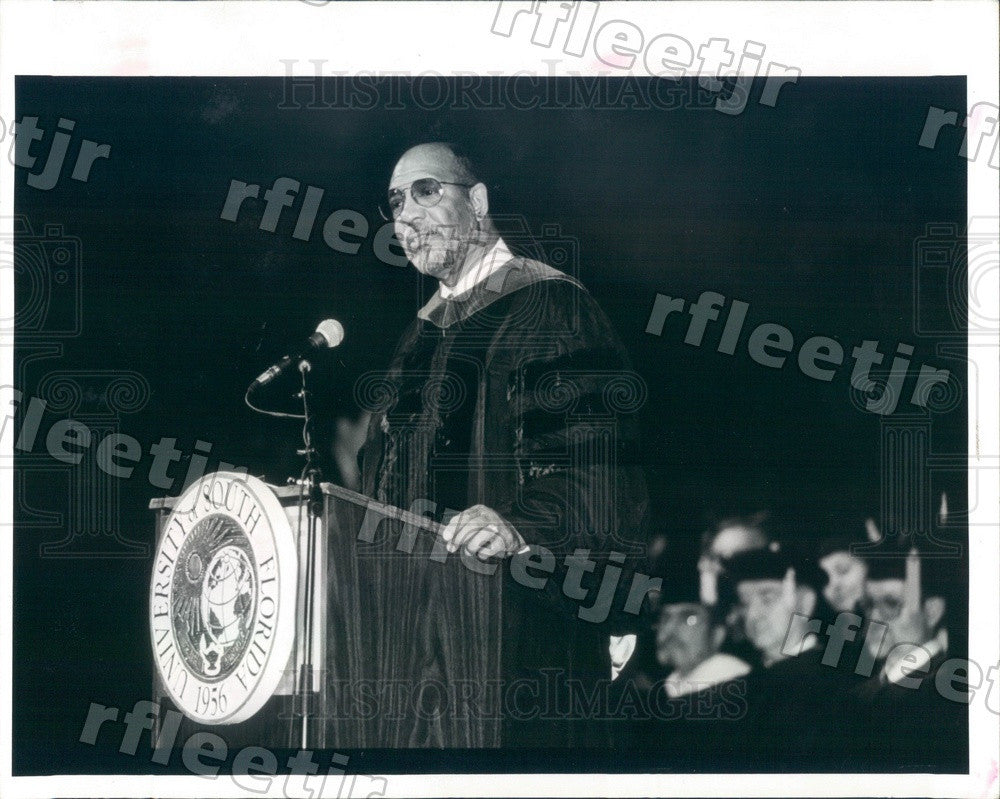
(684, 587)
(842, 530)
(898, 558)
(847, 542)
(772, 563)
(679, 587)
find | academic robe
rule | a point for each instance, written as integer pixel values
(518, 395)
(920, 726)
(800, 716)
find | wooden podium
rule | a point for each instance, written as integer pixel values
(406, 640)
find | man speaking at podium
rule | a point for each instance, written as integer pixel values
(503, 388)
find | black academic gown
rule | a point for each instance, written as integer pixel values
(916, 727)
(798, 716)
(518, 395)
(701, 731)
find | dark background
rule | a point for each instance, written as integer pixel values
(808, 211)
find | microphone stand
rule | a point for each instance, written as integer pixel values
(308, 518)
(307, 532)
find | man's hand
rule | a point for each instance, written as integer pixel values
(482, 532)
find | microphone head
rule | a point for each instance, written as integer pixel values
(332, 332)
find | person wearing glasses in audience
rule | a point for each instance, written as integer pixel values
(696, 702)
(479, 424)
(688, 637)
(796, 710)
(726, 537)
(916, 689)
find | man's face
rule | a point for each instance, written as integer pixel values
(887, 606)
(436, 239)
(846, 574)
(683, 636)
(767, 612)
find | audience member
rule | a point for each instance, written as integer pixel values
(796, 711)
(724, 539)
(688, 637)
(840, 555)
(915, 692)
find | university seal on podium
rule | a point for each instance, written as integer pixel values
(222, 598)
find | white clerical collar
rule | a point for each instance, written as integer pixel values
(918, 660)
(496, 257)
(719, 668)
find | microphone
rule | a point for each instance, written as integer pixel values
(329, 333)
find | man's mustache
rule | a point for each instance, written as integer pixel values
(416, 235)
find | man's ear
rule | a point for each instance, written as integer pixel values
(718, 636)
(479, 196)
(933, 611)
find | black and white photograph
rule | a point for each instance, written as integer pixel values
(500, 398)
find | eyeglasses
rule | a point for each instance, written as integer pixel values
(679, 616)
(427, 192)
(888, 608)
